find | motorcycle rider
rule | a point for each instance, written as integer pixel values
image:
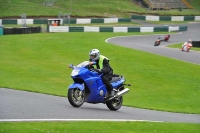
(103, 66)
(167, 37)
(161, 38)
(186, 43)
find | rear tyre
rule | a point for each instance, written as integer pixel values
(76, 97)
(115, 104)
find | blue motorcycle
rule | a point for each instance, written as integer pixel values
(88, 87)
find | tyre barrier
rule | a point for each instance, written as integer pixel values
(196, 44)
(66, 21)
(22, 30)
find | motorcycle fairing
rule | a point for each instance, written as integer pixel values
(96, 85)
(76, 85)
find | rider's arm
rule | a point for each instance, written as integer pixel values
(184, 44)
(106, 67)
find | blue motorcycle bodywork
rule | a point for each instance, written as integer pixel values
(91, 83)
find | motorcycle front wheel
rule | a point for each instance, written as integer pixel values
(76, 97)
(115, 104)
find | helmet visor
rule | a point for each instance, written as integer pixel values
(92, 56)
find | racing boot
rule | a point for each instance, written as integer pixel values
(111, 93)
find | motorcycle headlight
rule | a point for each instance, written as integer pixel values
(74, 72)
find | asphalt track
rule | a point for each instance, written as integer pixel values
(27, 106)
(146, 43)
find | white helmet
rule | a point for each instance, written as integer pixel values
(94, 54)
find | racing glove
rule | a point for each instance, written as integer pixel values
(98, 70)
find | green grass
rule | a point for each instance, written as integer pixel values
(85, 8)
(38, 63)
(196, 4)
(98, 127)
(179, 45)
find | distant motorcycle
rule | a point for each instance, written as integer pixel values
(89, 87)
(157, 42)
(187, 47)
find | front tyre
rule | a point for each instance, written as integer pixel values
(115, 104)
(76, 97)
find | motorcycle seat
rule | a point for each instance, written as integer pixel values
(114, 79)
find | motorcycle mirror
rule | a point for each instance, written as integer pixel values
(71, 66)
(127, 84)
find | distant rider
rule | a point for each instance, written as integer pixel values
(103, 66)
(187, 43)
(161, 38)
(167, 37)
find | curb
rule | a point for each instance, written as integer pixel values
(166, 18)
(117, 29)
(72, 21)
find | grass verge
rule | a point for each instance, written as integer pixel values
(98, 127)
(38, 63)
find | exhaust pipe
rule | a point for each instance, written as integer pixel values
(119, 94)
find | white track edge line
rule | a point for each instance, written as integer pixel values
(135, 35)
(68, 120)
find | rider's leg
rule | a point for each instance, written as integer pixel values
(187, 49)
(106, 81)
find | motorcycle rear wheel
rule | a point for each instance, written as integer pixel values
(115, 104)
(76, 97)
